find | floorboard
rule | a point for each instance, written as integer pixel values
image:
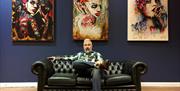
(143, 89)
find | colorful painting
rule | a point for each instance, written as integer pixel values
(32, 20)
(147, 20)
(90, 19)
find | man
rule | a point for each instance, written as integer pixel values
(88, 62)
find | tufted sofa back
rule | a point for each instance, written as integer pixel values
(65, 66)
(114, 68)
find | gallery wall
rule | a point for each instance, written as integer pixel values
(163, 58)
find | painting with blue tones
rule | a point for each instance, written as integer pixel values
(147, 20)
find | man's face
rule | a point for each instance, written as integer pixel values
(32, 6)
(94, 7)
(87, 45)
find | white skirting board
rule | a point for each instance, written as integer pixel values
(18, 84)
(160, 84)
(34, 84)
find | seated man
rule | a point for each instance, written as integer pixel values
(89, 62)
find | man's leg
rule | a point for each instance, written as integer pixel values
(81, 65)
(82, 69)
(96, 79)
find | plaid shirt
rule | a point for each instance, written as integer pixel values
(82, 56)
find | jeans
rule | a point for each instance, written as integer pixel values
(87, 70)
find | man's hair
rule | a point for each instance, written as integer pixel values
(87, 39)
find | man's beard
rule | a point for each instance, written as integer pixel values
(87, 50)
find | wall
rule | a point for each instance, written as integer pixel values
(163, 58)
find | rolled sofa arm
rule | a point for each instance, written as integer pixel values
(43, 69)
(141, 67)
(133, 67)
(38, 67)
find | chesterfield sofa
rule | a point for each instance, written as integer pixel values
(55, 74)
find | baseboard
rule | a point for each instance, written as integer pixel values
(160, 84)
(34, 84)
(18, 84)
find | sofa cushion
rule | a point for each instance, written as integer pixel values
(62, 79)
(86, 81)
(118, 79)
(83, 81)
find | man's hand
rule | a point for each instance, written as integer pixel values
(102, 64)
(98, 63)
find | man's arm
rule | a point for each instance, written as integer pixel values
(71, 57)
(101, 63)
(99, 60)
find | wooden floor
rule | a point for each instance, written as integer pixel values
(161, 89)
(143, 89)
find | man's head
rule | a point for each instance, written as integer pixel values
(87, 45)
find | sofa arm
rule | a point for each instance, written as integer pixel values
(133, 67)
(43, 69)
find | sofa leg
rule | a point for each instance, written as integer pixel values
(138, 88)
(39, 89)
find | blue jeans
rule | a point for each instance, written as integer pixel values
(85, 69)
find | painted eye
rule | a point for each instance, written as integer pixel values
(148, 1)
(94, 6)
(32, 2)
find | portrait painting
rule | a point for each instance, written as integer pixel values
(90, 19)
(148, 20)
(32, 20)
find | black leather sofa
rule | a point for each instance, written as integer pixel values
(58, 75)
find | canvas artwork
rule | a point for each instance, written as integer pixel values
(90, 19)
(32, 20)
(147, 20)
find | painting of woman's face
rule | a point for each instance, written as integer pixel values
(94, 7)
(150, 7)
(32, 6)
(148, 20)
(90, 19)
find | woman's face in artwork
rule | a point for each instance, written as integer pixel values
(32, 6)
(94, 7)
(151, 7)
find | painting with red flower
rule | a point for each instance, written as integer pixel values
(90, 19)
(147, 20)
(32, 20)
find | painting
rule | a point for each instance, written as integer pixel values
(90, 19)
(147, 20)
(32, 20)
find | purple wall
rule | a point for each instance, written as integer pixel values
(163, 58)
